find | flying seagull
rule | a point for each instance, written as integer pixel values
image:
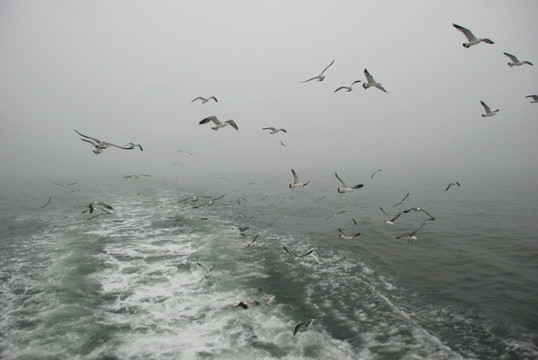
(534, 98)
(333, 215)
(204, 100)
(269, 300)
(135, 176)
(100, 145)
(516, 62)
(281, 143)
(344, 188)
(65, 185)
(218, 123)
(274, 130)
(452, 183)
(320, 77)
(296, 184)
(388, 219)
(411, 236)
(50, 198)
(472, 39)
(417, 209)
(253, 242)
(345, 236)
(185, 151)
(298, 257)
(401, 201)
(299, 328)
(348, 88)
(131, 146)
(488, 110)
(371, 82)
(209, 203)
(375, 172)
(208, 272)
(95, 204)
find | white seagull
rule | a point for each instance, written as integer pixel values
(534, 98)
(208, 272)
(488, 110)
(65, 185)
(296, 184)
(204, 100)
(101, 145)
(348, 88)
(401, 201)
(411, 237)
(298, 257)
(299, 328)
(388, 219)
(516, 62)
(344, 188)
(345, 236)
(269, 300)
(95, 204)
(371, 82)
(135, 176)
(472, 39)
(452, 183)
(320, 77)
(219, 124)
(274, 130)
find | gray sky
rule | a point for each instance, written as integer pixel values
(127, 71)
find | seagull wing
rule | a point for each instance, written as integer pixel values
(397, 216)
(295, 177)
(315, 77)
(354, 82)
(88, 137)
(269, 128)
(534, 97)
(338, 177)
(208, 119)
(214, 98)
(342, 87)
(306, 253)
(232, 124)
(488, 110)
(297, 328)
(375, 172)
(202, 266)
(369, 77)
(332, 62)
(468, 34)
(512, 57)
(290, 253)
(199, 98)
(383, 211)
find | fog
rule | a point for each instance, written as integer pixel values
(127, 71)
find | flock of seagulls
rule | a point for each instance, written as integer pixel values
(100, 145)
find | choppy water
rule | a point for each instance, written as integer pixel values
(127, 286)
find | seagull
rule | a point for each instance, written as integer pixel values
(269, 300)
(401, 201)
(472, 39)
(274, 130)
(100, 145)
(452, 183)
(218, 123)
(417, 209)
(244, 304)
(375, 172)
(185, 151)
(488, 110)
(348, 88)
(371, 82)
(253, 242)
(65, 185)
(298, 257)
(208, 272)
(50, 198)
(516, 62)
(411, 236)
(209, 203)
(333, 215)
(94, 204)
(299, 328)
(281, 143)
(204, 100)
(242, 229)
(346, 236)
(133, 145)
(320, 77)
(296, 184)
(345, 188)
(135, 176)
(388, 219)
(534, 98)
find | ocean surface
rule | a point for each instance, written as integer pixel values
(127, 285)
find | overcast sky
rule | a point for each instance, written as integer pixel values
(126, 71)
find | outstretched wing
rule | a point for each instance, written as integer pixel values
(512, 57)
(199, 98)
(332, 62)
(307, 253)
(341, 87)
(295, 177)
(88, 137)
(232, 124)
(383, 211)
(315, 77)
(208, 119)
(488, 110)
(369, 77)
(338, 177)
(468, 34)
(269, 128)
(290, 253)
